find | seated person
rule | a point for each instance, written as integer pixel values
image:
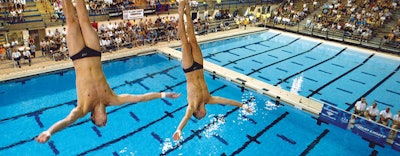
(372, 112)
(16, 56)
(384, 116)
(64, 51)
(360, 106)
(396, 122)
(27, 55)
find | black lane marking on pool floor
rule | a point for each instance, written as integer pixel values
(374, 87)
(256, 70)
(257, 61)
(219, 138)
(287, 51)
(340, 76)
(81, 122)
(282, 69)
(360, 82)
(133, 115)
(285, 138)
(369, 74)
(238, 68)
(273, 56)
(97, 131)
(337, 65)
(311, 67)
(37, 118)
(264, 78)
(326, 101)
(167, 114)
(391, 91)
(53, 148)
(209, 56)
(157, 137)
(323, 71)
(260, 53)
(259, 134)
(311, 58)
(304, 78)
(314, 143)
(384, 103)
(344, 90)
(73, 102)
(198, 131)
(296, 63)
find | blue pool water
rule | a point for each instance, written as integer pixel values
(30, 105)
(337, 75)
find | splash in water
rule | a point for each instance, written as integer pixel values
(216, 121)
(168, 144)
(296, 84)
(125, 151)
(248, 99)
(270, 105)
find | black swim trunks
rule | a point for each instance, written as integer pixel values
(195, 66)
(86, 52)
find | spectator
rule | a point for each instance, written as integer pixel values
(16, 55)
(2, 52)
(385, 116)
(95, 25)
(7, 46)
(33, 50)
(360, 106)
(27, 55)
(372, 112)
(395, 122)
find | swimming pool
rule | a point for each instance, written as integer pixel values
(335, 74)
(30, 105)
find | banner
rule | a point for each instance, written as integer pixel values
(396, 142)
(335, 116)
(132, 14)
(371, 131)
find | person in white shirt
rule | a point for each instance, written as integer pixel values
(8, 50)
(396, 122)
(27, 55)
(372, 112)
(16, 56)
(64, 51)
(64, 31)
(14, 43)
(360, 106)
(385, 116)
(49, 33)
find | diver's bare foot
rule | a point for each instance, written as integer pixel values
(181, 6)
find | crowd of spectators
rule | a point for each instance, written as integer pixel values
(393, 37)
(357, 19)
(12, 10)
(290, 12)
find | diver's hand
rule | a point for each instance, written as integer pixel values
(43, 137)
(172, 95)
(247, 108)
(177, 135)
